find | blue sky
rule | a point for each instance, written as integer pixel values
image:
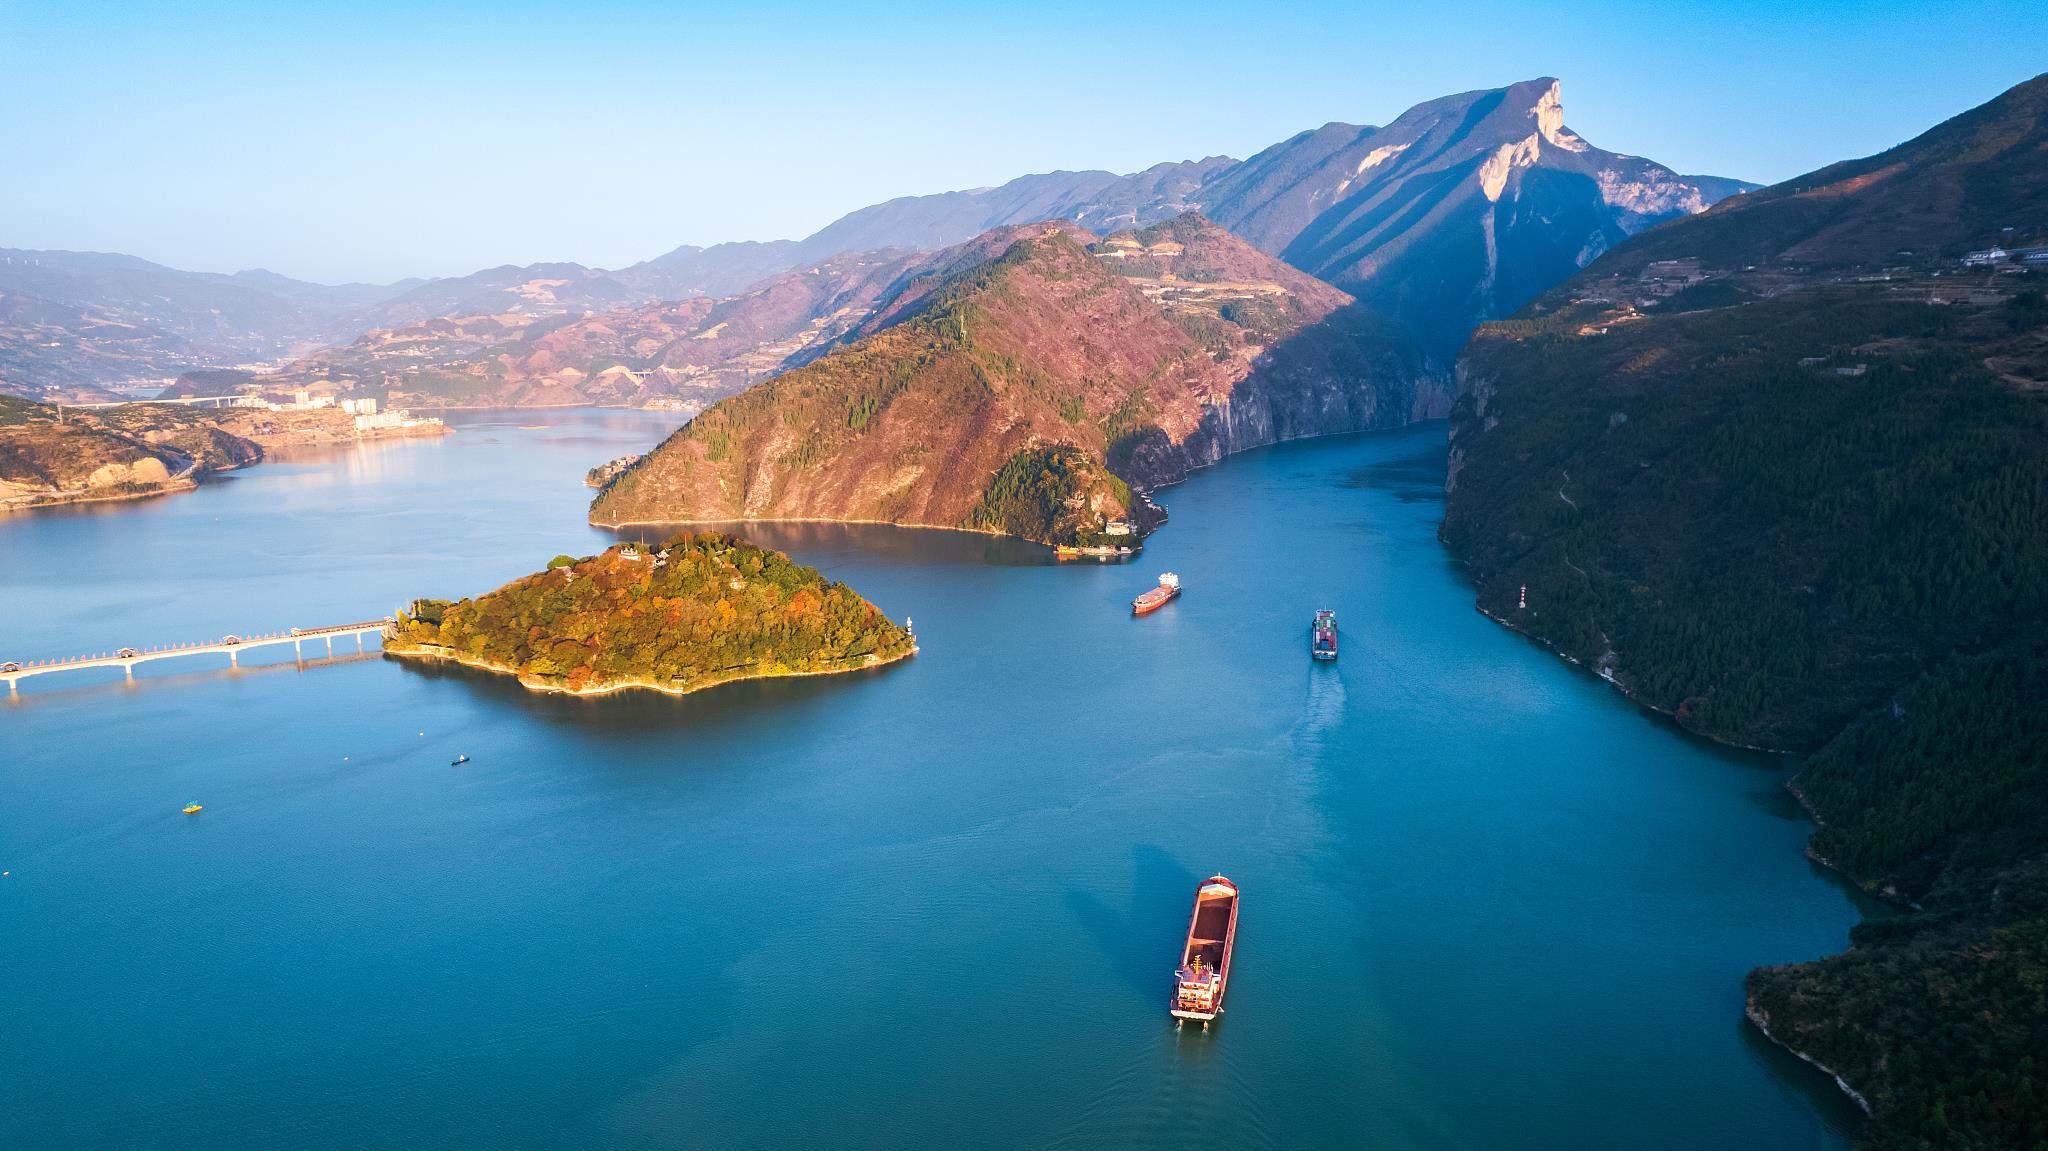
(375, 140)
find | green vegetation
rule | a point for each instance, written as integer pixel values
(1786, 555)
(1936, 1017)
(1762, 546)
(14, 410)
(702, 610)
(1954, 778)
(1940, 1015)
(1804, 503)
(1053, 494)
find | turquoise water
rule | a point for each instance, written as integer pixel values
(1487, 902)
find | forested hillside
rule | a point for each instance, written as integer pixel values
(695, 611)
(1782, 470)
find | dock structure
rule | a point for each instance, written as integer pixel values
(231, 646)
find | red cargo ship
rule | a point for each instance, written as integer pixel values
(1159, 597)
(1205, 962)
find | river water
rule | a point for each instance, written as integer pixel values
(1487, 902)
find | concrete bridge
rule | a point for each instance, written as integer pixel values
(226, 401)
(232, 646)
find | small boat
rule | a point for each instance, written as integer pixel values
(193, 809)
(1158, 597)
(458, 761)
(1205, 961)
(1322, 635)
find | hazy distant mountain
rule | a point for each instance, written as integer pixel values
(85, 321)
(719, 270)
(1097, 200)
(1457, 212)
(685, 353)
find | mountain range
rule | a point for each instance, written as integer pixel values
(1454, 213)
(1781, 470)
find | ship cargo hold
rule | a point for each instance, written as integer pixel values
(1205, 960)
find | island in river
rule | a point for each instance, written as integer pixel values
(696, 611)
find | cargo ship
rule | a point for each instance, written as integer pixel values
(1322, 635)
(1158, 597)
(1205, 961)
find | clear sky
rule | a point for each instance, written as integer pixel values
(378, 140)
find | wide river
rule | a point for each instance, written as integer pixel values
(1487, 902)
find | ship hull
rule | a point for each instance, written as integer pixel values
(1204, 973)
(1150, 602)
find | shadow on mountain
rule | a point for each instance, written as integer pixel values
(1355, 371)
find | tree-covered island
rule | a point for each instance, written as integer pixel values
(696, 611)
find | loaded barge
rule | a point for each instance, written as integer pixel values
(1158, 597)
(1205, 961)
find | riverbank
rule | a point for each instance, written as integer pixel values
(17, 497)
(17, 500)
(1751, 1012)
(1761, 1020)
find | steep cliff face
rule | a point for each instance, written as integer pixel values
(1458, 212)
(1150, 353)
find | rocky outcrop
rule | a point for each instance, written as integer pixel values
(1458, 212)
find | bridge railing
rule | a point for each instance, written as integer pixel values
(13, 669)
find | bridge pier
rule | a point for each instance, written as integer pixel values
(330, 647)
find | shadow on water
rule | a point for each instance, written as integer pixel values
(884, 544)
(87, 682)
(1414, 478)
(1140, 942)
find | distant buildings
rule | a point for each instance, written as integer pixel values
(1687, 269)
(1990, 257)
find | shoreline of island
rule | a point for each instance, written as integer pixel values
(868, 662)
